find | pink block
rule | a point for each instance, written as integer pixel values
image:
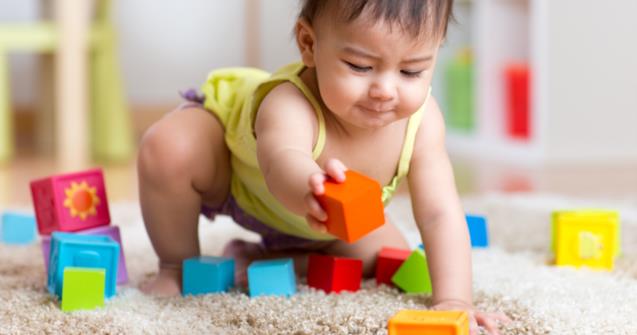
(110, 231)
(70, 202)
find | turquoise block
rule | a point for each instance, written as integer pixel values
(272, 277)
(87, 251)
(478, 231)
(17, 228)
(207, 274)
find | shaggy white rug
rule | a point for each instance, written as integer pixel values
(512, 276)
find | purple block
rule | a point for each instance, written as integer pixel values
(110, 231)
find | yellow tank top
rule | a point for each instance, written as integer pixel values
(234, 96)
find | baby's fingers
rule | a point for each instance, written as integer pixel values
(335, 169)
(490, 321)
(315, 224)
(314, 209)
(316, 183)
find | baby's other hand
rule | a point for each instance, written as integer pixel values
(489, 321)
(335, 170)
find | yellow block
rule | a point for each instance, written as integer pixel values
(416, 322)
(586, 238)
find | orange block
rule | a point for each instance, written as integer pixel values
(413, 322)
(354, 208)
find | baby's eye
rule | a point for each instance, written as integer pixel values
(411, 73)
(358, 68)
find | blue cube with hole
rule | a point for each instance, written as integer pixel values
(478, 231)
(272, 277)
(17, 228)
(86, 251)
(207, 274)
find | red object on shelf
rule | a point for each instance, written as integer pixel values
(334, 274)
(518, 100)
(388, 262)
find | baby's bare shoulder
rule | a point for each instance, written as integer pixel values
(431, 131)
(285, 98)
(286, 109)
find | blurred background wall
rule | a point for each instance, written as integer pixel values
(166, 46)
(513, 76)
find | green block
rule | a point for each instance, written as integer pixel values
(83, 288)
(413, 275)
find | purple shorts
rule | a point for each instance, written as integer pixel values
(271, 238)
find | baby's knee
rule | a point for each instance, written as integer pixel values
(165, 152)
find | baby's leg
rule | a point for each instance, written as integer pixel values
(368, 247)
(183, 162)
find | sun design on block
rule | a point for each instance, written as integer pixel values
(81, 200)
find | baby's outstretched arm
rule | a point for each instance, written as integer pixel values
(285, 128)
(440, 219)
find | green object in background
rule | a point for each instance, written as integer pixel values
(83, 288)
(413, 275)
(459, 92)
(111, 126)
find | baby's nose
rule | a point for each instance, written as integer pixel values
(382, 90)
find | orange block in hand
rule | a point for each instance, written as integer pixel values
(415, 322)
(354, 208)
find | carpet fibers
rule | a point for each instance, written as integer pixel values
(513, 276)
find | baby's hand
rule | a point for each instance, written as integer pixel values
(489, 321)
(334, 169)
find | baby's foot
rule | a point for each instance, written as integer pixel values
(243, 254)
(167, 283)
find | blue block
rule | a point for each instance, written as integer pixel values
(17, 228)
(207, 274)
(88, 251)
(478, 231)
(272, 277)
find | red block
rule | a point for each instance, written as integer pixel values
(70, 202)
(388, 262)
(334, 274)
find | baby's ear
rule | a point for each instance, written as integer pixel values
(305, 39)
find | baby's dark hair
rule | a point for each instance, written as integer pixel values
(413, 16)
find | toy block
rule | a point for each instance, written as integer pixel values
(334, 274)
(272, 277)
(17, 228)
(413, 275)
(388, 262)
(354, 207)
(416, 322)
(478, 231)
(110, 231)
(83, 288)
(207, 274)
(85, 251)
(70, 202)
(588, 238)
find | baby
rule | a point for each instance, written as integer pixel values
(258, 147)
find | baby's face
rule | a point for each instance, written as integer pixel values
(370, 75)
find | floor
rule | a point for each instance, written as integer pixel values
(472, 176)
